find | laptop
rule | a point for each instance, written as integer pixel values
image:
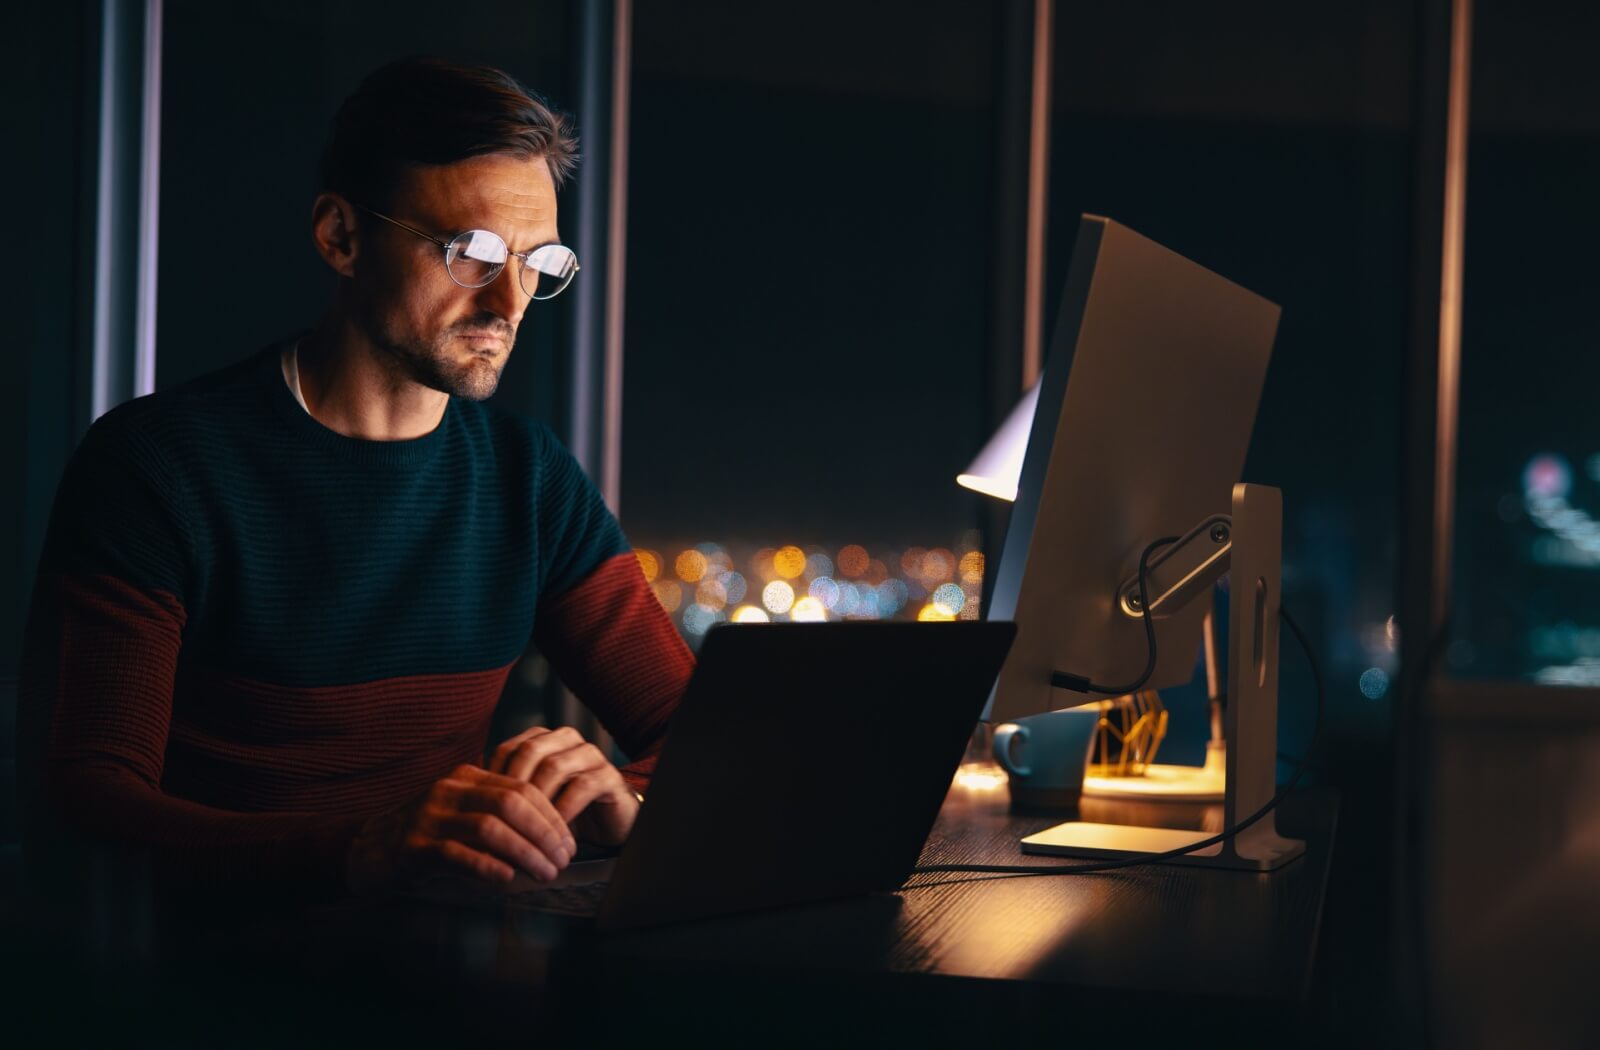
(806, 762)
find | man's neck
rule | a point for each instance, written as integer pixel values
(355, 389)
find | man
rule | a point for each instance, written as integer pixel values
(277, 605)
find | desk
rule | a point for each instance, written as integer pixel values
(970, 959)
(1152, 929)
(977, 960)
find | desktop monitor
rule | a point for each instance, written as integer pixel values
(1142, 421)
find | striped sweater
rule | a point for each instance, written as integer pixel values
(249, 633)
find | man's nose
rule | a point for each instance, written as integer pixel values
(504, 296)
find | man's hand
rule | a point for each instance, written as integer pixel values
(472, 823)
(588, 791)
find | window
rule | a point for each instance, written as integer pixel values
(809, 310)
(1527, 540)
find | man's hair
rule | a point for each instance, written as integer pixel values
(421, 111)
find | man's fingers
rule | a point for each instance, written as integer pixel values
(489, 834)
(484, 789)
(534, 748)
(560, 776)
(453, 856)
(554, 771)
(586, 788)
(502, 754)
(525, 810)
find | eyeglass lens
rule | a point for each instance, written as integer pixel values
(476, 257)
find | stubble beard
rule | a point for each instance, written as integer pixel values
(435, 365)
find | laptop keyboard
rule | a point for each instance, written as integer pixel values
(581, 899)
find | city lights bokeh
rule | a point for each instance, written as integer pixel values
(1566, 537)
(702, 584)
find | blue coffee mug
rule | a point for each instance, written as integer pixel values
(1044, 755)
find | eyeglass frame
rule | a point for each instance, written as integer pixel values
(523, 257)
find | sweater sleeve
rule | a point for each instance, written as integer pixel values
(100, 659)
(598, 622)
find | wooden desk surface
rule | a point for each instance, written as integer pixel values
(1154, 929)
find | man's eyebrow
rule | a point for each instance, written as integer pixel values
(451, 235)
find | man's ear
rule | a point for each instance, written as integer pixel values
(333, 231)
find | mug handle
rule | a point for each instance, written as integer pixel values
(1002, 747)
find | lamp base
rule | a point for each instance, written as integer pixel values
(1207, 783)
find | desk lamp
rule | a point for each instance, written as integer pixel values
(1123, 465)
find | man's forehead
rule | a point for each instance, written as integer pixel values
(516, 191)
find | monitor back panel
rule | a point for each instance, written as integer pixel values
(1145, 411)
(806, 762)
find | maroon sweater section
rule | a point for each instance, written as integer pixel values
(222, 777)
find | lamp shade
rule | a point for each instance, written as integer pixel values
(998, 468)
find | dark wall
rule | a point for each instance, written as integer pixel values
(810, 278)
(46, 107)
(43, 405)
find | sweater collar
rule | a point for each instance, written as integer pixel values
(281, 367)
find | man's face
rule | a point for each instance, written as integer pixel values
(442, 335)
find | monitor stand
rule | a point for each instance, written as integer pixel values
(1254, 560)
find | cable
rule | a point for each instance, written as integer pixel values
(1155, 858)
(1079, 684)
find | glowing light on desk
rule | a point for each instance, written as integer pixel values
(980, 776)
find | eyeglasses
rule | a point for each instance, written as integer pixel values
(474, 258)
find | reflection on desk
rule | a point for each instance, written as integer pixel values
(1148, 929)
